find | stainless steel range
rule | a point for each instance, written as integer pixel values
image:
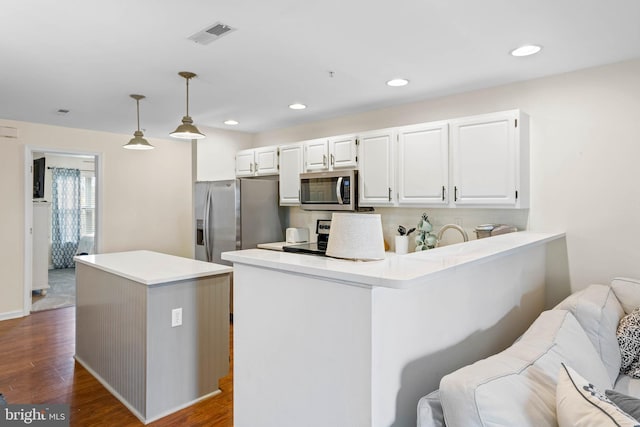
(323, 227)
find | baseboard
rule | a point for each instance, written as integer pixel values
(133, 410)
(11, 315)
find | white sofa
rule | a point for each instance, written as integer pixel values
(517, 387)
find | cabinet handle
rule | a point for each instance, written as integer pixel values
(256, 167)
(251, 167)
(389, 193)
(324, 160)
(333, 160)
(455, 193)
(443, 193)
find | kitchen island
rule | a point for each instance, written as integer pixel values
(153, 328)
(321, 341)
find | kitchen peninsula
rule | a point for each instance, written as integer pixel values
(153, 328)
(321, 341)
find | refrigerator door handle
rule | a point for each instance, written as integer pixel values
(207, 211)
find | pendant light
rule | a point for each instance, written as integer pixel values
(138, 142)
(187, 130)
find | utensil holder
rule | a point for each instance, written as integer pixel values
(402, 244)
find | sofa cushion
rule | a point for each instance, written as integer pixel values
(627, 385)
(598, 311)
(430, 411)
(517, 386)
(580, 404)
(628, 293)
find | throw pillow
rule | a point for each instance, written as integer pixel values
(580, 404)
(628, 404)
(628, 334)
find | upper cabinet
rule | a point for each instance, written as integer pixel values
(257, 162)
(478, 161)
(423, 164)
(490, 160)
(291, 163)
(376, 177)
(326, 154)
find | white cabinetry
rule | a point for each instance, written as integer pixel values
(331, 153)
(376, 178)
(291, 162)
(257, 162)
(40, 232)
(423, 164)
(490, 160)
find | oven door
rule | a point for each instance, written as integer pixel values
(331, 191)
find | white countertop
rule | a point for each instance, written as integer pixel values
(275, 246)
(395, 271)
(152, 268)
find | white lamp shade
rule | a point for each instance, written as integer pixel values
(356, 236)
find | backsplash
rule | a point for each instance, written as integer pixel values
(468, 219)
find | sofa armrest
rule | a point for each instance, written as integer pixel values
(430, 411)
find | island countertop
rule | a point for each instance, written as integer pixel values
(395, 271)
(152, 268)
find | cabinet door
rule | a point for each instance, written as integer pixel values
(266, 160)
(423, 164)
(484, 153)
(316, 154)
(343, 152)
(244, 163)
(291, 160)
(376, 186)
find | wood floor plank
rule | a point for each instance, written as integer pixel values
(37, 367)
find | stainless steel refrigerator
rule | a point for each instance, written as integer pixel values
(236, 214)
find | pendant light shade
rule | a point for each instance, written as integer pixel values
(187, 130)
(138, 142)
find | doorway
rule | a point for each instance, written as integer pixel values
(61, 213)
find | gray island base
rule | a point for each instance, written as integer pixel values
(128, 305)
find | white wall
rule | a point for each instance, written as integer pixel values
(585, 146)
(147, 197)
(215, 159)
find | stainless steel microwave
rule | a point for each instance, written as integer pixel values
(329, 191)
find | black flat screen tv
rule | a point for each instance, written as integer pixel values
(38, 178)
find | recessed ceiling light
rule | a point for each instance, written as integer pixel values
(230, 122)
(397, 82)
(526, 50)
(297, 106)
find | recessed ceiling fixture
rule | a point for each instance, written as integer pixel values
(231, 122)
(187, 130)
(138, 142)
(526, 50)
(397, 82)
(297, 106)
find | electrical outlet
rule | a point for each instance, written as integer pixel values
(458, 221)
(176, 317)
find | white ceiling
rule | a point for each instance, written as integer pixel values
(88, 56)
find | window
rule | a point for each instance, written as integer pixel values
(87, 203)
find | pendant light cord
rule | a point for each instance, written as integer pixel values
(138, 112)
(187, 96)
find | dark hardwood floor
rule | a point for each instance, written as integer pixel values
(37, 367)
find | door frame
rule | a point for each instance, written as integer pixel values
(28, 210)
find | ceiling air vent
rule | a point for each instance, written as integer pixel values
(211, 33)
